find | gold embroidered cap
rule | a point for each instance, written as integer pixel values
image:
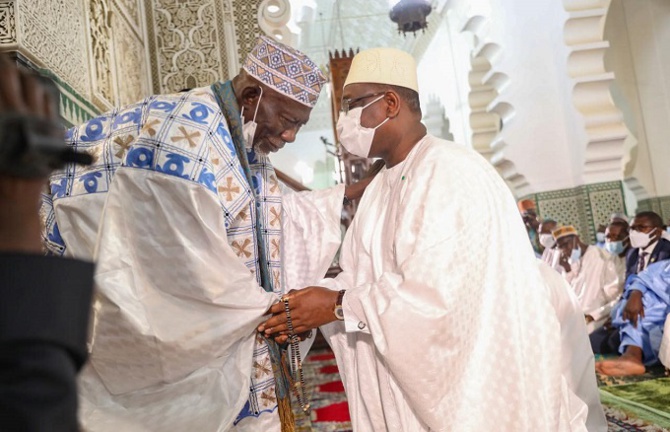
(285, 70)
(383, 66)
(564, 231)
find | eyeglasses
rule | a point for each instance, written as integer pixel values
(347, 103)
(641, 227)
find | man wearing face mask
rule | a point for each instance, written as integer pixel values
(549, 255)
(184, 214)
(415, 316)
(647, 242)
(529, 215)
(617, 245)
(590, 273)
(641, 314)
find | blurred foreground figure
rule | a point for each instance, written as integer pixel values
(44, 301)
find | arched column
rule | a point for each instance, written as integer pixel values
(641, 89)
(489, 110)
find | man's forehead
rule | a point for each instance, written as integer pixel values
(548, 225)
(566, 240)
(294, 109)
(354, 90)
(641, 220)
(614, 228)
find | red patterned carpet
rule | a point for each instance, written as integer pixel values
(330, 411)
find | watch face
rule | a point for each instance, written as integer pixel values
(339, 313)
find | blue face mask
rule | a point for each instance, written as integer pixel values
(575, 256)
(615, 247)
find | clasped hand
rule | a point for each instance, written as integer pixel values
(310, 308)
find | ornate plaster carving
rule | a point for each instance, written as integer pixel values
(247, 29)
(187, 41)
(603, 122)
(131, 64)
(100, 25)
(52, 33)
(7, 23)
(130, 10)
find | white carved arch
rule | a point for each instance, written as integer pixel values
(603, 122)
(274, 17)
(435, 120)
(489, 113)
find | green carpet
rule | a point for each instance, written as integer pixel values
(648, 400)
(640, 402)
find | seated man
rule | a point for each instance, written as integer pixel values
(647, 242)
(646, 247)
(617, 244)
(589, 271)
(529, 216)
(641, 321)
(548, 242)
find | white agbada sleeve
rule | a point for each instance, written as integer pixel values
(311, 223)
(577, 361)
(611, 282)
(431, 303)
(311, 229)
(176, 308)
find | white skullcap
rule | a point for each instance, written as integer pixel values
(383, 66)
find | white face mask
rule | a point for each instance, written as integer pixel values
(600, 237)
(354, 137)
(547, 240)
(249, 128)
(575, 256)
(615, 247)
(639, 239)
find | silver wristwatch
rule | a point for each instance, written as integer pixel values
(337, 310)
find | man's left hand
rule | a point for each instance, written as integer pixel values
(634, 308)
(310, 308)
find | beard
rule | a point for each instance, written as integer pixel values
(258, 149)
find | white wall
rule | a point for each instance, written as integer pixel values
(307, 151)
(639, 34)
(443, 73)
(545, 137)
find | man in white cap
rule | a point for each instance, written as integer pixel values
(591, 273)
(429, 335)
(183, 213)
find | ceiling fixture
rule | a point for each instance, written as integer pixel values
(410, 15)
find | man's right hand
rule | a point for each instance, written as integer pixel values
(310, 308)
(21, 93)
(634, 308)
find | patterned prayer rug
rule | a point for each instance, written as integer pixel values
(636, 403)
(632, 404)
(330, 411)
